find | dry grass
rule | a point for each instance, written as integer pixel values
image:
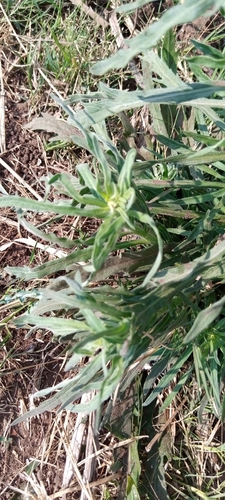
(53, 455)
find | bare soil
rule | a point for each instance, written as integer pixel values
(34, 363)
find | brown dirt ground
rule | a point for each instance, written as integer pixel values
(30, 364)
(37, 362)
(33, 363)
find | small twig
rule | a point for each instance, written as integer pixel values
(2, 112)
(12, 29)
(121, 444)
(104, 480)
(167, 424)
(48, 81)
(22, 181)
(90, 465)
(51, 85)
(90, 12)
(6, 220)
(73, 451)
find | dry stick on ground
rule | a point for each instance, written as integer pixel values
(12, 29)
(99, 482)
(167, 424)
(2, 113)
(90, 465)
(22, 181)
(74, 449)
(90, 12)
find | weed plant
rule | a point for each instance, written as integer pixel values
(160, 203)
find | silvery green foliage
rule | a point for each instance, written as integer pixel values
(183, 13)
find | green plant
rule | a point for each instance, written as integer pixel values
(164, 214)
(53, 50)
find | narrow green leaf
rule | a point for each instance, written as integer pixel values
(100, 156)
(116, 101)
(131, 6)
(146, 219)
(169, 53)
(207, 49)
(208, 61)
(46, 206)
(59, 326)
(158, 367)
(179, 386)
(69, 388)
(178, 14)
(166, 379)
(105, 240)
(52, 238)
(71, 191)
(51, 267)
(125, 176)
(204, 319)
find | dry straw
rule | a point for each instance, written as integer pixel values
(2, 112)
